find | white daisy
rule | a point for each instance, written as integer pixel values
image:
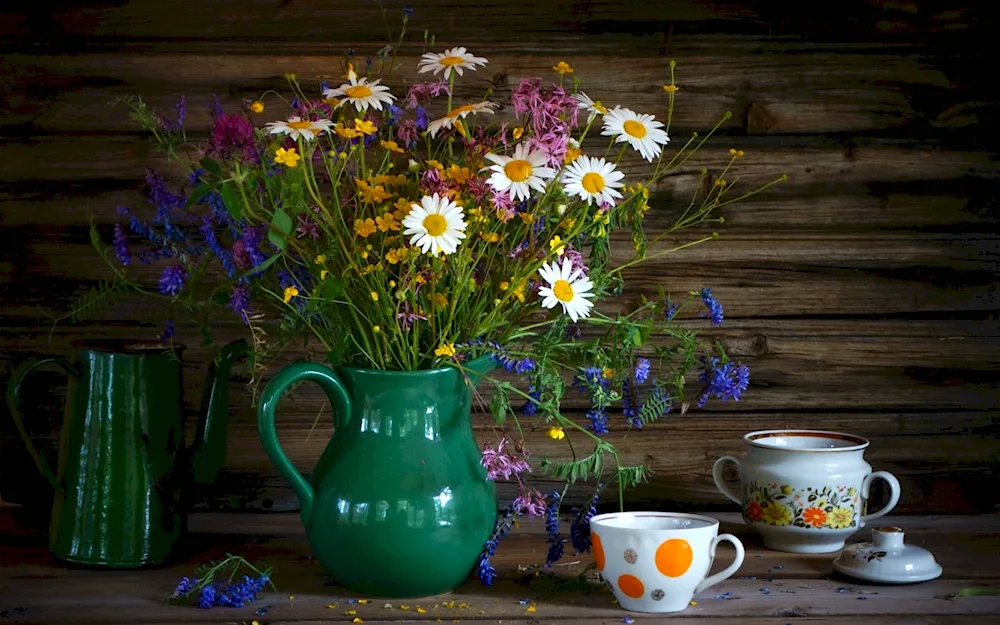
(568, 287)
(518, 174)
(436, 224)
(642, 131)
(460, 112)
(361, 93)
(592, 179)
(450, 61)
(594, 108)
(297, 127)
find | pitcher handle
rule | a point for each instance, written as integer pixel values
(729, 570)
(340, 401)
(14, 404)
(893, 494)
(720, 481)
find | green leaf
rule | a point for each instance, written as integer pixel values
(199, 193)
(232, 202)
(211, 166)
(261, 267)
(500, 404)
(282, 227)
(332, 288)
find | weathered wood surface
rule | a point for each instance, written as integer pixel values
(861, 292)
(800, 587)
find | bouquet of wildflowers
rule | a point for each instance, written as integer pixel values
(402, 227)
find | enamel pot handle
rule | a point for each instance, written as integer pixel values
(893, 494)
(289, 376)
(729, 570)
(720, 481)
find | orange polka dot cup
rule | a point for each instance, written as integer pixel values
(657, 561)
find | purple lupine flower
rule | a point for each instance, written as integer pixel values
(713, 305)
(554, 539)
(121, 245)
(641, 373)
(172, 280)
(723, 381)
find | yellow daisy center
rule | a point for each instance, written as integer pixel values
(465, 108)
(634, 128)
(300, 125)
(435, 225)
(592, 182)
(518, 170)
(358, 91)
(563, 291)
(448, 61)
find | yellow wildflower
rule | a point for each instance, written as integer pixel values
(519, 293)
(387, 222)
(342, 155)
(671, 88)
(376, 329)
(257, 107)
(735, 153)
(438, 299)
(370, 193)
(489, 237)
(392, 284)
(290, 292)
(403, 207)
(365, 127)
(608, 373)
(527, 218)
(320, 259)
(436, 164)
(364, 227)
(556, 433)
(571, 154)
(563, 68)
(557, 245)
(391, 146)
(504, 285)
(420, 279)
(460, 175)
(323, 274)
(287, 157)
(447, 350)
(346, 133)
(374, 296)
(518, 131)
(568, 223)
(364, 255)
(331, 605)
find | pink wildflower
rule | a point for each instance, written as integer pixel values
(478, 189)
(232, 138)
(307, 227)
(576, 258)
(504, 206)
(407, 132)
(529, 501)
(422, 92)
(502, 463)
(431, 182)
(552, 112)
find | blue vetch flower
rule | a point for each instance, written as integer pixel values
(671, 310)
(181, 111)
(485, 570)
(172, 280)
(121, 245)
(524, 366)
(554, 539)
(579, 528)
(713, 305)
(168, 330)
(422, 119)
(531, 407)
(641, 370)
(724, 382)
(239, 301)
(628, 407)
(208, 231)
(598, 420)
(184, 586)
(207, 598)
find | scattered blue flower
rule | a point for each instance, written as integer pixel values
(723, 381)
(524, 365)
(407, 11)
(628, 620)
(713, 305)
(641, 370)
(216, 106)
(207, 598)
(184, 586)
(296, 104)
(181, 111)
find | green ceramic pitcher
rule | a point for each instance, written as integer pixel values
(123, 468)
(399, 504)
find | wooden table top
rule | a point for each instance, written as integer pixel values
(771, 587)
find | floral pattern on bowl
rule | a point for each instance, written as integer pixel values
(781, 505)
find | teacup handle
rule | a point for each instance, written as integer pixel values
(720, 481)
(893, 494)
(729, 570)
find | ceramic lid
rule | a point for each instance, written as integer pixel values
(887, 559)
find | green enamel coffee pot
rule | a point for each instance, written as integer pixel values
(124, 472)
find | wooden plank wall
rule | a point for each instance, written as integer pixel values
(862, 292)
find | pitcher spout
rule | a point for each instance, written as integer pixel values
(208, 452)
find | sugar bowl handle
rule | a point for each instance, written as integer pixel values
(720, 481)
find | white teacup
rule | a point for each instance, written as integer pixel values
(657, 561)
(804, 490)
